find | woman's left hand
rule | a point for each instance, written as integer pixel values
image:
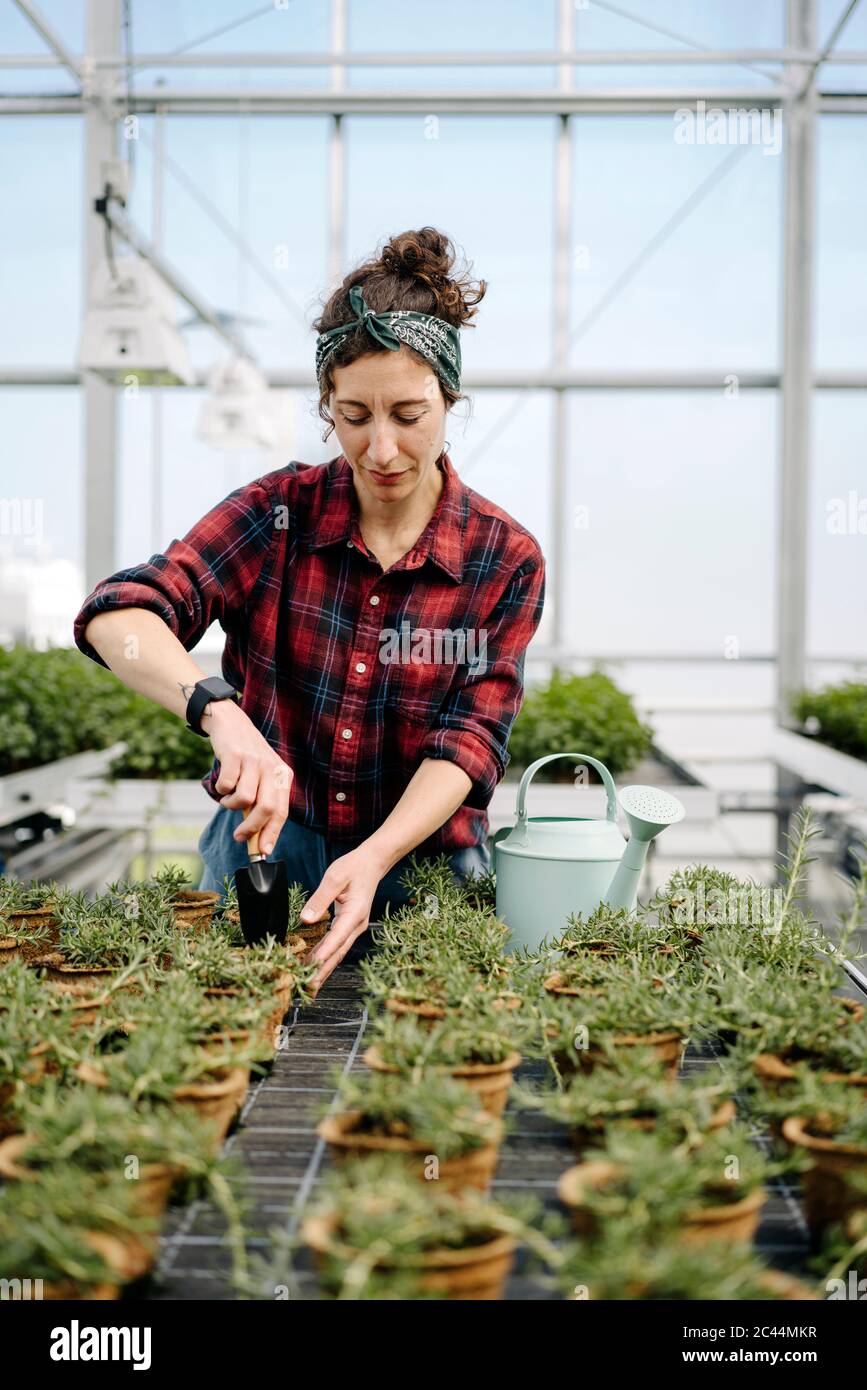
(350, 883)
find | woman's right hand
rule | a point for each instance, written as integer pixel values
(251, 776)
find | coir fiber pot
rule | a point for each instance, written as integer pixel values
(829, 1195)
(194, 907)
(728, 1221)
(217, 1101)
(71, 977)
(491, 1081)
(344, 1138)
(41, 917)
(473, 1273)
(667, 1049)
(774, 1071)
(113, 1252)
(31, 1076)
(152, 1188)
(430, 1014)
(132, 1255)
(282, 990)
(84, 1006)
(586, 1136)
(312, 932)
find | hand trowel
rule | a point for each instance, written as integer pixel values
(263, 896)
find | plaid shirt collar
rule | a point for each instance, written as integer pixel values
(442, 540)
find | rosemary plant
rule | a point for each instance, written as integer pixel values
(488, 1037)
(444, 1114)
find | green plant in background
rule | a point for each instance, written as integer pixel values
(582, 714)
(160, 745)
(58, 702)
(836, 715)
(444, 1114)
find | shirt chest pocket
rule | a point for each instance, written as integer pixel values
(416, 689)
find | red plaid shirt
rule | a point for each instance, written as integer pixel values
(352, 674)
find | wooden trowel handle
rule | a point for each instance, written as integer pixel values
(253, 842)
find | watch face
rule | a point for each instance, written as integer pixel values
(215, 685)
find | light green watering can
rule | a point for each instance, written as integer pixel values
(549, 867)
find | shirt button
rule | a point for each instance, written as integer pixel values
(361, 667)
(340, 796)
(347, 733)
(374, 600)
(350, 545)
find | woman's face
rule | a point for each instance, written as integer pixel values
(389, 415)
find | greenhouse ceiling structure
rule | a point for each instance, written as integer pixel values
(330, 72)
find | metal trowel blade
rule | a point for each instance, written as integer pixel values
(263, 900)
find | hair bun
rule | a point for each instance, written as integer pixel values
(428, 257)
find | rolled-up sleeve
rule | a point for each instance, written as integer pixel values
(201, 579)
(473, 726)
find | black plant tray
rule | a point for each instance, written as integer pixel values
(284, 1160)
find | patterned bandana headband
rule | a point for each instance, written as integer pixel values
(431, 337)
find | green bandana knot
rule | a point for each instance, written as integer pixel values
(431, 337)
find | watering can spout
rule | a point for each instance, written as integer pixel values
(647, 811)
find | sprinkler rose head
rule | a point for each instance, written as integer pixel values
(649, 810)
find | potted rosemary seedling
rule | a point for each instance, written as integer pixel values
(441, 1128)
(710, 1190)
(827, 1121)
(481, 1051)
(70, 1237)
(434, 987)
(160, 1063)
(624, 1262)
(28, 917)
(617, 932)
(628, 1012)
(375, 1218)
(32, 1033)
(630, 1096)
(269, 972)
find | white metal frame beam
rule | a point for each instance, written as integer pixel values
(613, 102)
(795, 399)
(100, 402)
(62, 56)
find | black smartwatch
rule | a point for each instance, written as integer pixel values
(214, 688)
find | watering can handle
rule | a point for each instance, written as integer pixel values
(607, 780)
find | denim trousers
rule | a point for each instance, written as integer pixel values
(307, 855)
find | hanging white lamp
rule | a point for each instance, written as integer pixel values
(237, 414)
(130, 328)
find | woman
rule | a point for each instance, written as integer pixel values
(376, 612)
